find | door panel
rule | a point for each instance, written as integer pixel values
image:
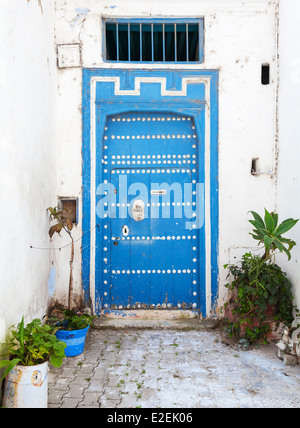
(151, 159)
(119, 98)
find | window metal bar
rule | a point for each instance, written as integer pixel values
(187, 42)
(152, 44)
(199, 41)
(141, 44)
(128, 32)
(117, 33)
(164, 44)
(104, 39)
(175, 42)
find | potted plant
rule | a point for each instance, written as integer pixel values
(259, 288)
(30, 349)
(72, 330)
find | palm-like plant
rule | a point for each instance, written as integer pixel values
(268, 232)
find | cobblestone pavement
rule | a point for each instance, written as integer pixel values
(171, 369)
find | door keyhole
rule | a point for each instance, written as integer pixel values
(125, 230)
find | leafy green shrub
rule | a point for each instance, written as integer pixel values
(34, 344)
(259, 284)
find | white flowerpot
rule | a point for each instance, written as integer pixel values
(27, 387)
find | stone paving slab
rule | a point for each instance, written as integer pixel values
(168, 368)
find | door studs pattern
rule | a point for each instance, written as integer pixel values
(150, 280)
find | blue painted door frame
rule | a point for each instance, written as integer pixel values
(111, 95)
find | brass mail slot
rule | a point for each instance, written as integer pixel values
(158, 192)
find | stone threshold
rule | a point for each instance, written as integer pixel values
(154, 319)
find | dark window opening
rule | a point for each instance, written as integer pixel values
(154, 41)
(158, 42)
(111, 35)
(169, 42)
(135, 45)
(265, 74)
(123, 42)
(181, 41)
(146, 43)
(193, 36)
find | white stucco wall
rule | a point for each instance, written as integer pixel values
(289, 146)
(27, 157)
(239, 37)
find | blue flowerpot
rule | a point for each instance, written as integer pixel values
(74, 339)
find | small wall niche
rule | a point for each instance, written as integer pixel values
(254, 166)
(69, 56)
(265, 74)
(70, 205)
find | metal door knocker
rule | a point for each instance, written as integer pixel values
(138, 210)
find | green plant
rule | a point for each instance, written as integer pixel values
(259, 284)
(72, 321)
(63, 222)
(269, 233)
(34, 344)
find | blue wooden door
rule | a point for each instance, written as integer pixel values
(151, 248)
(150, 189)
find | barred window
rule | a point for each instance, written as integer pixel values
(180, 41)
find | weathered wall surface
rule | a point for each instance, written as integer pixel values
(239, 37)
(27, 157)
(289, 148)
